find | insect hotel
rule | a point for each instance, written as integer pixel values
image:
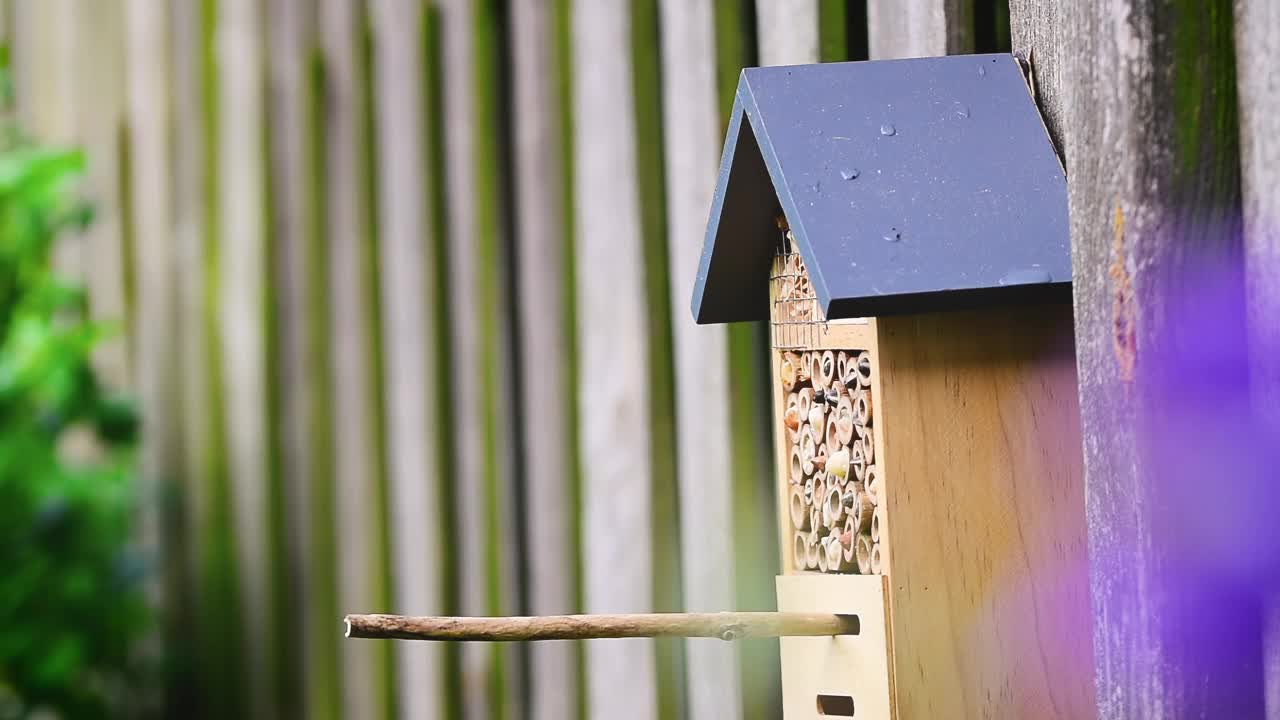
(902, 228)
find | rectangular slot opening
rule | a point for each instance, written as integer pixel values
(835, 705)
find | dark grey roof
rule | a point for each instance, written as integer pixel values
(910, 185)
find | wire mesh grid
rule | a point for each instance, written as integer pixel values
(796, 320)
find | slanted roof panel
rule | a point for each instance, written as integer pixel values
(910, 185)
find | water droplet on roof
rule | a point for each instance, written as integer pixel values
(893, 235)
(887, 130)
(960, 110)
(982, 70)
(850, 173)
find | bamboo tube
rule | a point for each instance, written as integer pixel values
(817, 419)
(791, 421)
(808, 491)
(863, 554)
(815, 518)
(838, 464)
(869, 448)
(857, 462)
(876, 565)
(862, 408)
(825, 372)
(800, 365)
(822, 555)
(844, 420)
(863, 367)
(819, 491)
(833, 507)
(797, 465)
(835, 553)
(787, 374)
(795, 502)
(842, 367)
(806, 449)
(862, 512)
(804, 402)
(798, 551)
(832, 434)
(820, 458)
(875, 524)
(873, 484)
(848, 542)
(811, 550)
(724, 625)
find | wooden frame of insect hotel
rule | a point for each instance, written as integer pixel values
(902, 226)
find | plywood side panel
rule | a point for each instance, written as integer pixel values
(989, 599)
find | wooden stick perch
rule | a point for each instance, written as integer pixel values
(725, 626)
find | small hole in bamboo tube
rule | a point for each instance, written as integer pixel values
(835, 705)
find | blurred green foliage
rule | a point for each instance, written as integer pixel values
(72, 602)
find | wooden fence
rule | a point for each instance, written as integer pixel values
(406, 286)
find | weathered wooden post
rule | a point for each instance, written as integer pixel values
(1142, 95)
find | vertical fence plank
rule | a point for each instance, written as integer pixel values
(215, 662)
(1257, 35)
(702, 390)
(99, 62)
(354, 431)
(1147, 111)
(408, 327)
(479, 662)
(155, 365)
(243, 335)
(500, 411)
(919, 28)
(613, 370)
(787, 31)
(289, 33)
(544, 344)
(43, 70)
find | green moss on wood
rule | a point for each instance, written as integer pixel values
(324, 682)
(562, 44)
(381, 580)
(221, 647)
(438, 270)
(833, 42)
(667, 586)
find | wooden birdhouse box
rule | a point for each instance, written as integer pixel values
(902, 227)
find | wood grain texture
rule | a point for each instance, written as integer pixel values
(691, 134)
(347, 228)
(240, 318)
(410, 336)
(787, 31)
(726, 626)
(1257, 42)
(540, 247)
(613, 355)
(983, 488)
(919, 28)
(1151, 153)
